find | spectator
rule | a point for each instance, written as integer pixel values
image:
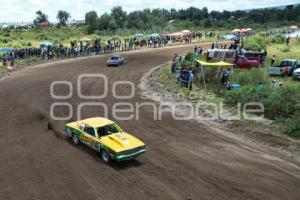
(177, 74)
(228, 85)
(273, 84)
(191, 78)
(288, 40)
(273, 60)
(173, 66)
(260, 86)
(222, 77)
(226, 75)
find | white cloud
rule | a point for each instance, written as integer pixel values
(24, 10)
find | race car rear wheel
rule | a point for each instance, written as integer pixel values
(105, 156)
(75, 139)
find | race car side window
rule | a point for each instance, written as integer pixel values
(90, 131)
(102, 131)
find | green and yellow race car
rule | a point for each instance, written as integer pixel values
(106, 137)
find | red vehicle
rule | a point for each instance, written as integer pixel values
(243, 63)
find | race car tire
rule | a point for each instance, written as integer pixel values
(75, 139)
(105, 156)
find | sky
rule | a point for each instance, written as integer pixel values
(24, 10)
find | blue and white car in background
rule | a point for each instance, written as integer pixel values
(116, 60)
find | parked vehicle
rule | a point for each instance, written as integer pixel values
(259, 56)
(243, 63)
(106, 137)
(296, 74)
(115, 61)
(286, 67)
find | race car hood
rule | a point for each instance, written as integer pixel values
(121, 142)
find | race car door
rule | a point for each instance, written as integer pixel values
(89, 137)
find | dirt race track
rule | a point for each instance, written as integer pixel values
(184, 160)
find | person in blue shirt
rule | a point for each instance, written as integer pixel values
(177, 74)
(191, 78)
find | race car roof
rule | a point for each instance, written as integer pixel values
(97, 122)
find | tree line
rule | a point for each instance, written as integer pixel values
(157, 19)
(147, 19)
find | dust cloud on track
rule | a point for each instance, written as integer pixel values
(184, 160)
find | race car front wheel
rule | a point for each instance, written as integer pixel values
(105, 156)
(75, 139)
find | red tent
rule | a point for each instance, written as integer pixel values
(44, 24)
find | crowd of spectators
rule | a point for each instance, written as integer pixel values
(88, 47)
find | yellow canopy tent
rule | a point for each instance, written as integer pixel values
(215, 64)
(212, 64)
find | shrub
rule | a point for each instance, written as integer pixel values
(283, 101)
(249, 77)
(255, 43)
(211, 75)
(290, 126)
(247, 94)
(5, 41)
(285, 49)
(277, 39)
(281, 104)
(189, 56)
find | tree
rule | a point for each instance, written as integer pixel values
(91, 21)
(104, 21)
(63, 17)
(112, 26)
(41, 17)
(119, 16)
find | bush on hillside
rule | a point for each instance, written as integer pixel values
(189, 56)
(277, 39)
(283, 101)
(281, 104)
(255, 43)
(290, 126)
(249, 77)
(247, 94)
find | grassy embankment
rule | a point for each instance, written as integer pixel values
(282, 105)
(32, 38)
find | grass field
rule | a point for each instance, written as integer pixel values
(282, 51)
(32, 38)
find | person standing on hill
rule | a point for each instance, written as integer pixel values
(191, 78)
(273, 60)
(288, 40)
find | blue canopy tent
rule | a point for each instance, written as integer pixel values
(46, 43)
(230, 37)
(138, 35)
(6, 50)
(154, 35)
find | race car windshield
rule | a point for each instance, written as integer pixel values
(114, 58)
(107, 130)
